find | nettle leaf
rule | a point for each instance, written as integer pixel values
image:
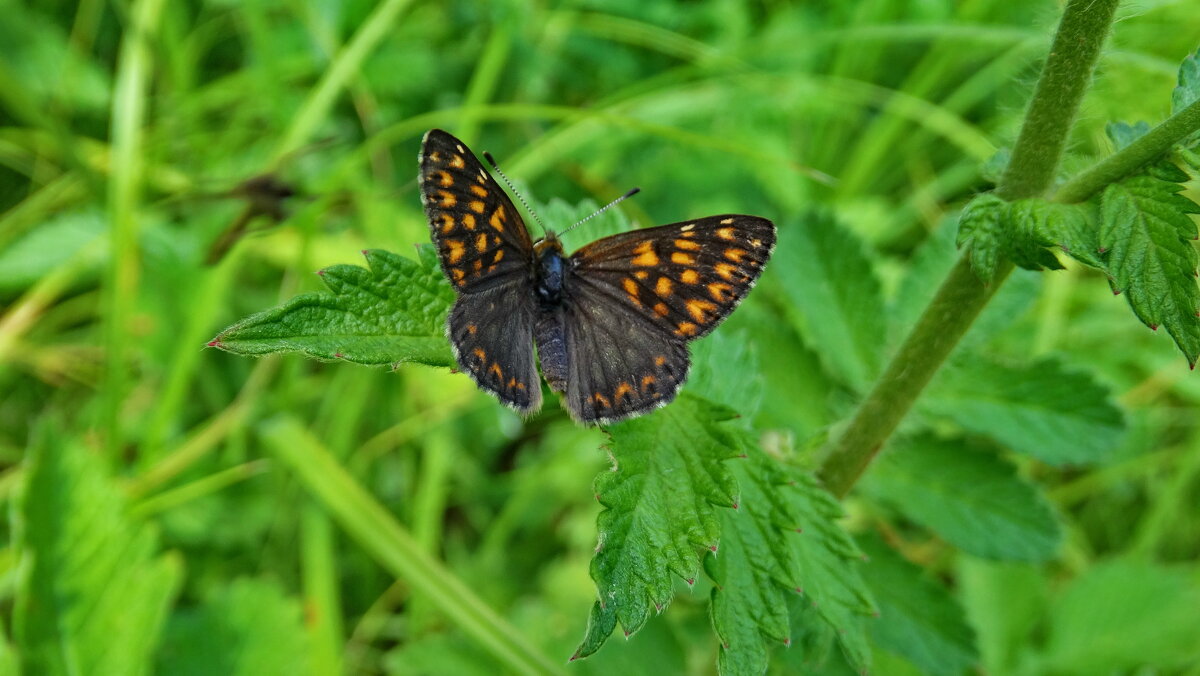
(1188, 90)
(918, 618)
(247, 627)
(1073, 228)
(1043, 409)
(981, 232)
(831, 285)
(1124, 617)
(93, 591)
(783, 540)
(972, 499)
(1145, 228)
(391, 313)
(668, 478)
(1028, 234)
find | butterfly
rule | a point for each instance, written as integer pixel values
(611, 321)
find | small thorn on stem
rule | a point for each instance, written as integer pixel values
(1154, 327)
(213, 343)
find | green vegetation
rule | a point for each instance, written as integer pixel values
(931, 440)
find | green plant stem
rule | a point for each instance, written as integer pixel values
(1064, 79)
(1132, 157)
(381, 536)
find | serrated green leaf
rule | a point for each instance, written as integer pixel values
(1145, 228)
(669, 475)
(784, 539)
(981, 232)
(394, 312)
(827, 276)
(972, 499)
(1125, 615)
(247, 627)
(918, 618)
(725, 371)
(1187, 91)
(1028, 235)
(1122, 133)
(1073, 228)
(94, 592)
(1043, 409)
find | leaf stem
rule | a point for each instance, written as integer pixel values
(1081, 33)
(1132, 157)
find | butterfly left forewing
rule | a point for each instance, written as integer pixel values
(684, 278)
(480, 237)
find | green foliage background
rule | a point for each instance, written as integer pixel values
(180, 510)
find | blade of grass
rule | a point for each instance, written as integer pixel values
(128, 119)
(380, 535)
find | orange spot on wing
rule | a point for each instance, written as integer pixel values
(735, 255)
(496, 369)
(686, 329)
(499, 255)
(445, 180)
(660, 360)
(687, 244)
(447, 223)
(448, 200)
(726, 221)
(478, 352)
(647, 381)
(497, 219)
(718, 290)
(683, 258)
(469, 221)
(479, 190)
(435, 157)
(631, 288)
(646, 256)
(457, 162)
(472, 329)
(476, 206)
(689, 276)
(641, 274)
(481, 242)
(725, 233)
(457, 250)
(663, 287)
(457, 274)
(661, 309)
(699, 308)
(601, 399)
(623, 390)
(478, 264)
(725, 270)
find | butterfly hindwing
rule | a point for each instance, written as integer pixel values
(492, 335)
(615, 368)
(683, 278)
(480, 237)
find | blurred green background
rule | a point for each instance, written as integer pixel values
(129, 236)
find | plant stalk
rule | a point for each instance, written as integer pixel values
(1065, 76)
(1132, 157)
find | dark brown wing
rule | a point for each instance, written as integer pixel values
(480, 237)
(684, 278)
(492, 334)
(615, 368)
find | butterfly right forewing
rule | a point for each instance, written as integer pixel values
(486, 253)
(480, 237)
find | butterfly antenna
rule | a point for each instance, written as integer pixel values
(492, 161)
(603, 209)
